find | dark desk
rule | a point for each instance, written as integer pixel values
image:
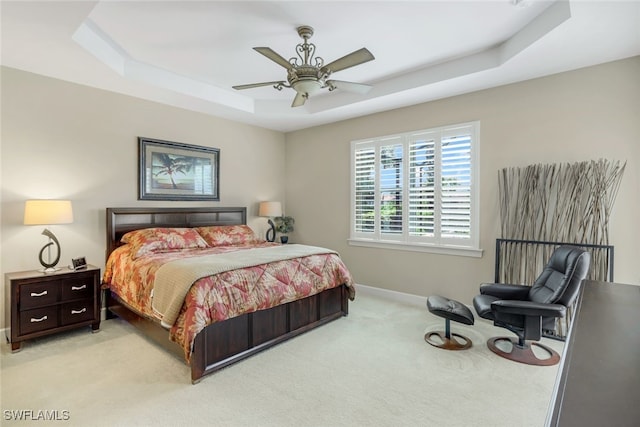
(598, 381)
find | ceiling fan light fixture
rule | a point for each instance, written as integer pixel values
(308, 73)
(307, 86)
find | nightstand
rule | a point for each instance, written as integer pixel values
(38, 304)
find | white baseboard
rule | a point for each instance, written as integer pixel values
(402, 297)
(410, 299)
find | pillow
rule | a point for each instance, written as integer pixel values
(228, 235)
(150, 240)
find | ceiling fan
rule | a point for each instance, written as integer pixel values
(307, 74)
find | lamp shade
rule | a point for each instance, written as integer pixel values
(270, 209)
(46, 212)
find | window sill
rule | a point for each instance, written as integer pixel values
(443, 250)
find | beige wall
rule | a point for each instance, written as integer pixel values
(62, 140)
(582, 115)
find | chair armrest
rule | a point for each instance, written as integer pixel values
(505, 291)
(528, 308)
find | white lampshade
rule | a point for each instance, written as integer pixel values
(270, 209)
(46, 212)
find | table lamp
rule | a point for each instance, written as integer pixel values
(48, 212)
(270, 209)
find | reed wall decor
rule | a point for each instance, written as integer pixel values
(569, 203)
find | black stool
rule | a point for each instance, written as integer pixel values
(450, 310)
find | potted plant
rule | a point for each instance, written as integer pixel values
(284, 225)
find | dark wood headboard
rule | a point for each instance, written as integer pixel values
(122, 220)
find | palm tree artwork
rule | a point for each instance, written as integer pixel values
(168, 166)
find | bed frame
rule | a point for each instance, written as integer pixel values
(223, 343)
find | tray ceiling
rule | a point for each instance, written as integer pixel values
(189, 54)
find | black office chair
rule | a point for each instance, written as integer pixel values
(528, 310)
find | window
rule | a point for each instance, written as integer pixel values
(417, 190)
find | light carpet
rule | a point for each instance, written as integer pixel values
(372, 368)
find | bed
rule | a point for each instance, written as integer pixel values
(212, 336)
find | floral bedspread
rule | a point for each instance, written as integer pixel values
(225, 295)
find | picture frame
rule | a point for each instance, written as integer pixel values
(79, 263)
(176, 171)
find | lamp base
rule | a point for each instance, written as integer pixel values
(49, 266)
(271, 232)
(49, 270)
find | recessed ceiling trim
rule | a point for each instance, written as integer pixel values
(543, 24)
(100, 45)
(493, 57)
(96, 42)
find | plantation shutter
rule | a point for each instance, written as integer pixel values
(416, 188)
(391, 187)
(455, 191)
(365, 178)
(422, 180)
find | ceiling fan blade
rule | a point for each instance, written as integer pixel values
(252, 85)
(354, 58)
(299, 100)
(275, 57)
(360, 88)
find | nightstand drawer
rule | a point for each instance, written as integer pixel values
(77, 288)
(76, 312)
(39, 319)
(39, 294)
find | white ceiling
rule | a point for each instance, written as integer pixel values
(189, 54)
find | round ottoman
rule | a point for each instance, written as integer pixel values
(450, 310)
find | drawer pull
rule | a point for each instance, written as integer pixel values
(78, 288)
(41, 294)
(78, 311)
(42, 319)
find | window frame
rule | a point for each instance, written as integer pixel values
(404, 241)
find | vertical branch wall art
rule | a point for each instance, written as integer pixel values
(568, 203)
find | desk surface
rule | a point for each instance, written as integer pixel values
(599, 380)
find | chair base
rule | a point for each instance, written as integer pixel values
(524, 353)
(448, 343)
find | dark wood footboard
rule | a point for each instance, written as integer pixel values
(224, 343)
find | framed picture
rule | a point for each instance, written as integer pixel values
(176, 171)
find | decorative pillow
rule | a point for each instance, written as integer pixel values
(228, 235)
(149, 240)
